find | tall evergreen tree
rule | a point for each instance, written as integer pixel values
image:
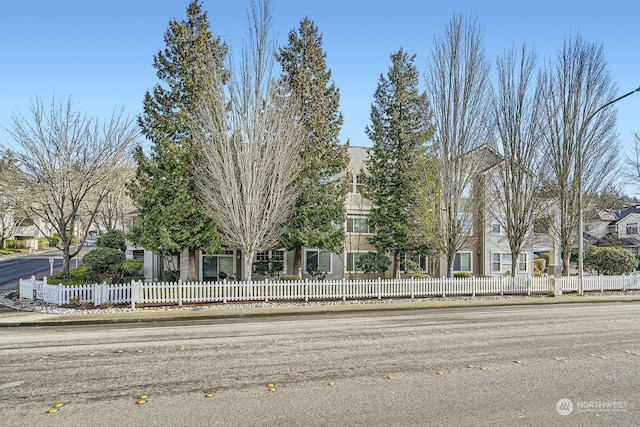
(320, 209)
(165, 189)
(400, 178)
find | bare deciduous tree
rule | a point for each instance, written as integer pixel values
(116, 204)
(633, 162)
(250, 139)
(12, 197)
(68, 161)
(512, 194)
(578, 144)
(457, 81)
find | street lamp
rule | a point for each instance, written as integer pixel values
(579, 170)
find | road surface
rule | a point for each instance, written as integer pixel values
(553, 365)
(13, 268)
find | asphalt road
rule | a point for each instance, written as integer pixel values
(13, 268)
(499, 366)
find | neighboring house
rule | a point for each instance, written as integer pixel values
(30, 231)
(488, 253)
(619, 228)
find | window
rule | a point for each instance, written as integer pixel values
(318, 260)
(359, 225)
(465, 223)
(462, 262)
(522, 262)
(218, 266)
(500, 262)
(632, 228)
(420, 260)
(269, 263)
(352, 261)
(358, 184)
(496, 264)
(496, 227)
(138, 254)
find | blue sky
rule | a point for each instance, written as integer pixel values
(100, 53)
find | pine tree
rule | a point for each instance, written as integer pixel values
(399, 180)
(165, 189)
(320, 209)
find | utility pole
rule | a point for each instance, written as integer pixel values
(580, 190)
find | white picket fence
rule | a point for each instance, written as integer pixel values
(159, 293)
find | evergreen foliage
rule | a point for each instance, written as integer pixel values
(165, 189)
(401, 179)
(373, 262)
(320, 208)
(113, 239)
(610, 261)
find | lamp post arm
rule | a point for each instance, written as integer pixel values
(580, 189)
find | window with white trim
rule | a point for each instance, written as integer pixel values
(462, 262)
(420, 260)
(360, 225)
(317, 260)
(465, 222)
(269, 261)
(501, 262)
(496, 226)
(522, 262)
(632, 228)
(352, 261)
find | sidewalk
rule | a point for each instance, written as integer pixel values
(146, 315)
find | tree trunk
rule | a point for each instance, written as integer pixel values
(396, 266)
(66, 260)
(450, 266)
(297, 262)
(248, 265)
(192, 273)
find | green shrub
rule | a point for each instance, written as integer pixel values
(419, 276)
(103, 260)
(170, 275)
(43, 243)
(373, 262)
(114, 239)
(16, 244)
(610, 261)
(290, 278)
(409, 266)
(131, 267)
(462, 275)
(54, 240)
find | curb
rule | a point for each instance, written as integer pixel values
(156, 316)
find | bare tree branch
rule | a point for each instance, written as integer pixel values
(250, 139)
(69, 162)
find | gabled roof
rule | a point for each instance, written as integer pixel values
(617, 216)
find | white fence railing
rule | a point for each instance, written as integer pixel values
(179, 292)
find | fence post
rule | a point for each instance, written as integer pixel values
(473, 287)
(133, 295)
(305, 286)
(443, 284)
(501, 285)
(624, 282)
(528, 286)
(224, 293)
(180, 292)
(379, 288)
(60, 291)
